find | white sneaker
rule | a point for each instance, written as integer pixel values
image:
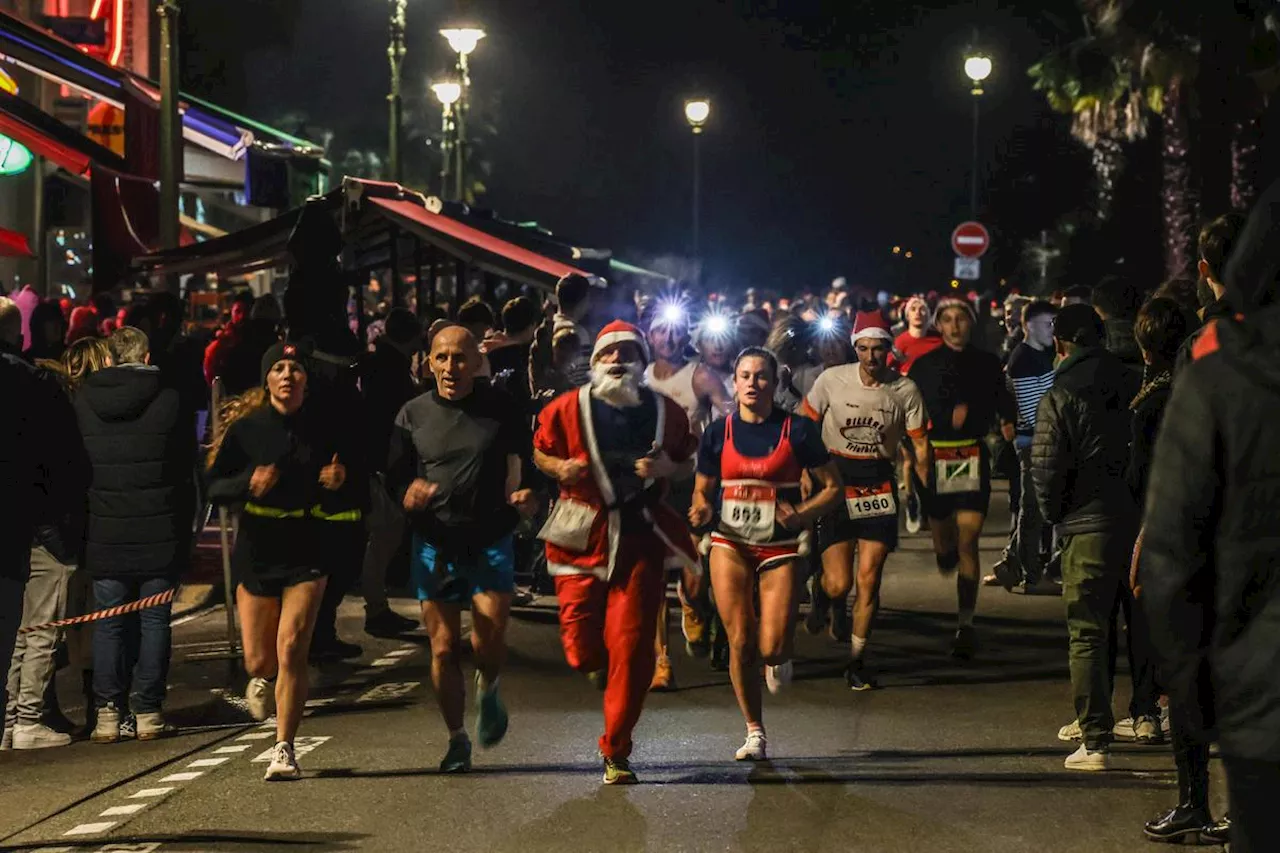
(1086, 759)
(37, 736)
(1164, 719)
(754, 749)
(1146, 730)
(151, 725)
(284, 765)
(778, 678)
(107, 729)
(260, 696)
(1070, 732)
(912, 506)
(1124, 728)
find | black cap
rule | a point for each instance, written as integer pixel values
(1079, 324)
(280, 351)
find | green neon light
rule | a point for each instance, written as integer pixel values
(15, 158)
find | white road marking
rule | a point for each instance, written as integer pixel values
(386, 692)
(301, 746)
(399, 653)
(54, 849)
(191, 617)
(131, 808)
(150, 792)
(183, 777)
(91, 828)
(256, 735)
(384, 662)
(409, 645)
(208, 762)
(319, 703)
(235, 747)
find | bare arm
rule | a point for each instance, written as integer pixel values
(564, 471)
(825, 496)
(922, 455)
(708, 387)
(704, 491)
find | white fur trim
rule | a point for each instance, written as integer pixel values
(612, 338)
(873, 332)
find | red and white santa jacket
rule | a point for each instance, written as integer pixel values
(582, 534)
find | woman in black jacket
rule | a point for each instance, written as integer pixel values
(1161, 328)
(283, 458)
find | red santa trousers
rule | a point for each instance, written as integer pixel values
(611, 623)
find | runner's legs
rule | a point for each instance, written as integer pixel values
(299, 606)
(443, 622)
(733, 583)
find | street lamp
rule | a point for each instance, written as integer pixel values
(977, 67)
(395, 54)
(696, 112)
(464, 41)
(447, 93)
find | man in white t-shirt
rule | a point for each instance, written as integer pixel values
(865, 409)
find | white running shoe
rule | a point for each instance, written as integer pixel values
(260, 696)
(1070, 732)
(284, 765)
(1087, 759)
(1124, 728)
(754, 749)
(912, 507)
(778, 678)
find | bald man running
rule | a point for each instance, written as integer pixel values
(455, 465)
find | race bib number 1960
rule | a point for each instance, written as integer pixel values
(870, 501)
(747, 512)
(959, 469)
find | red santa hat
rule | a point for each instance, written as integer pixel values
(619, 332)
(952, 302)
(870, 324)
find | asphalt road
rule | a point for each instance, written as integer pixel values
(947, 756)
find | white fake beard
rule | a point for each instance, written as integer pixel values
(617, 384)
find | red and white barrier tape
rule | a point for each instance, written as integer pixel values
(132, 607)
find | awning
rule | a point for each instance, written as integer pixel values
(13, 244)
(257, 247)
(475, 246)
(50, 138)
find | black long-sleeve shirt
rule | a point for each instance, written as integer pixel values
(948, 378)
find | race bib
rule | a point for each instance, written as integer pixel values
(569, 525)
(870, 501)
(747, 512)
(958, 469)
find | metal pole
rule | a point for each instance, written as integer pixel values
(446, 153)
(460, 128)
(697, 206)
(224, 528)
(395, 53)
(973, 173)
(170, 130)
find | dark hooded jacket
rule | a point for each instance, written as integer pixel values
(42, 468)
(142, 448)
(1210, 564)
(1081, 445)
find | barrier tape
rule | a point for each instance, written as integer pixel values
(132, 607)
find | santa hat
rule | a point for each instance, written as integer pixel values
(953, 302)
(914, 298)
(619, 332)
(870, 324)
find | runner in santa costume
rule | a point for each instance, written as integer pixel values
(613, 445)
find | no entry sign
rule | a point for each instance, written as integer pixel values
(970, 240)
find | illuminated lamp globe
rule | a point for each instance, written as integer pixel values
(977, 68)
(463, 40)
(447, 93)
(697, 112)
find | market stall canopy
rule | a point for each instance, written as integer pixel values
(373, 216)
(13, 244)
(50, 138)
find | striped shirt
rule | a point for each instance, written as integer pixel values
(1030, 372)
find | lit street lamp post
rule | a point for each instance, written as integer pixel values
(395, 53)
(696, 112)
(977, 67)
(463, 40)
(448, 94)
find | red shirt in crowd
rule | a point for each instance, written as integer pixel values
(908, 348)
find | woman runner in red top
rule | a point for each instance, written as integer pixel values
(750, 465)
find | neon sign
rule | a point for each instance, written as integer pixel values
(15, 158)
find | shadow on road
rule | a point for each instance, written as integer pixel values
(312, 842)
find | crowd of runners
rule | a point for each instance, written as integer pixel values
(756, 457)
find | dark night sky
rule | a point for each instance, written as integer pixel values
(839, 128)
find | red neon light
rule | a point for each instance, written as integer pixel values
(117, 27)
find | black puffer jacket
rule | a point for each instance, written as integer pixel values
(1210, 565)
(1081, 445)
(141, 500)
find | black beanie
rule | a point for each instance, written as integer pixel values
(280, 351)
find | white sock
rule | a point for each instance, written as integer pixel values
(859, 645)
(966, 618)
(755, 728)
